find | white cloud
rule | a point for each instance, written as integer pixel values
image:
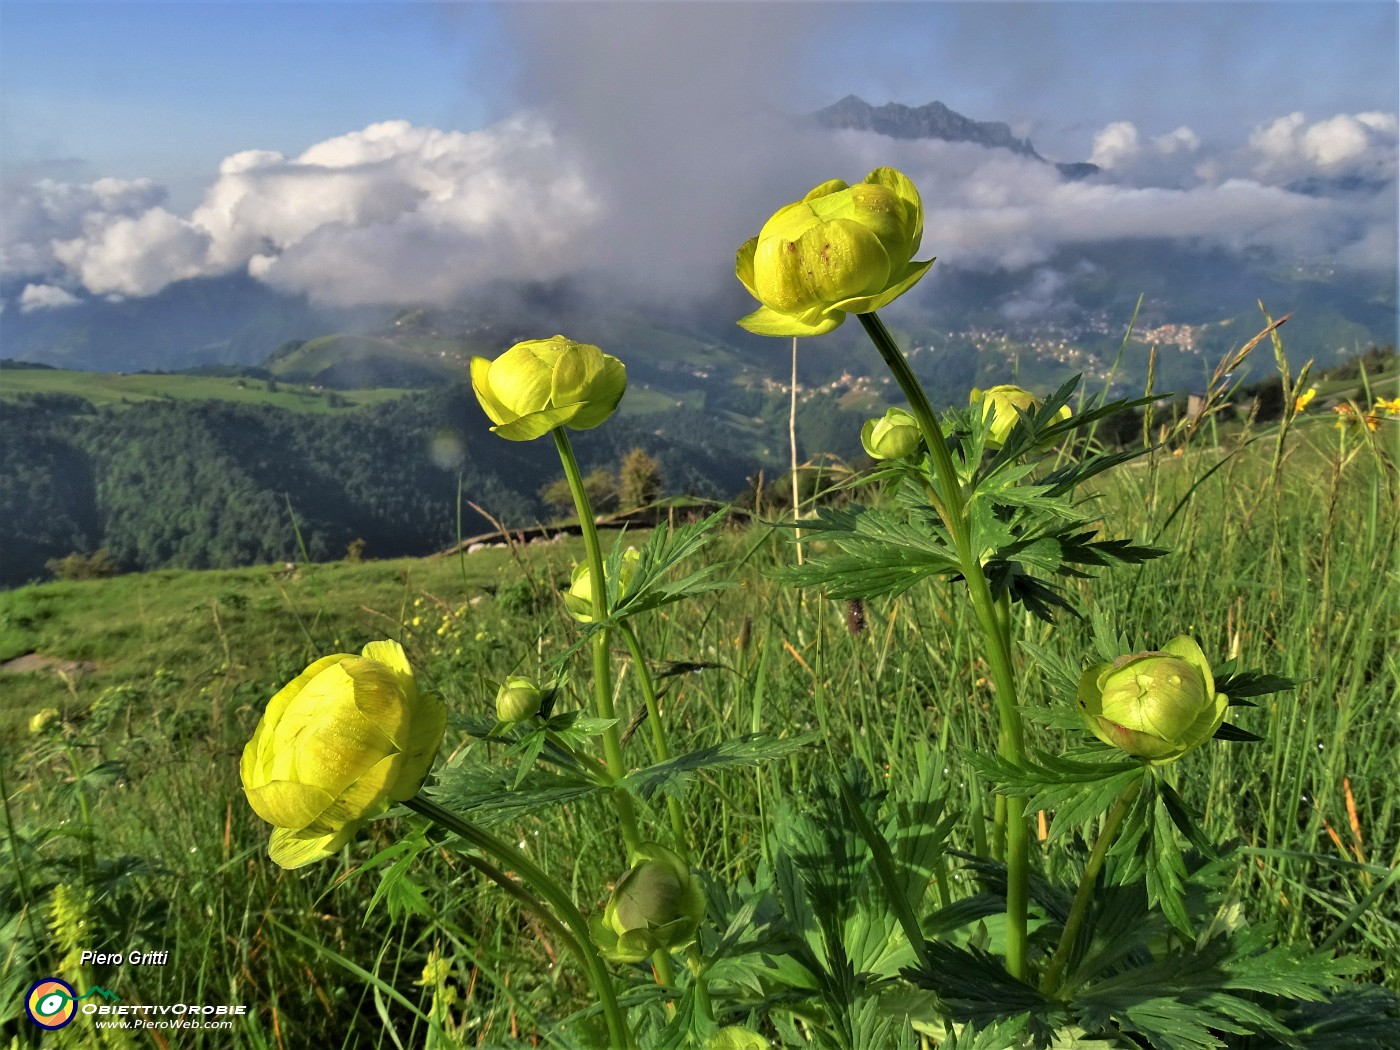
(137, 256)
(44, 297)
(390, 213)
(990, 209)
(395, 213)
(1171, 159)
(1116, 146)
(35, 214)
(1361, 144)
(1182, 140)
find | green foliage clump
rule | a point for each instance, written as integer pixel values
(95, 566)
(638, 480)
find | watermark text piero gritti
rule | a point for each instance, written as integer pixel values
(132, 958)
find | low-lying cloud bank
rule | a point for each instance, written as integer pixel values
(400, 214)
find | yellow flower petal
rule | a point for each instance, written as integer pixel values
(295, 849)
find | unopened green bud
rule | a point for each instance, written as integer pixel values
(657, 905)
(891, 436)
(518, 700)
(1153, 705)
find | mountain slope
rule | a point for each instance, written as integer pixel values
(934, 121)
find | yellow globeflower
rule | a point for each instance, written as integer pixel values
(42, 720)
(1001, 403)
(541, 384)
(578, 599)
(841, 249)
(348, 736)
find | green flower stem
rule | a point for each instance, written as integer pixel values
(658, 736)
(553, 893)
(1011, 737)
(602, 671)
(1055, 971)
(673, 806)
(602, 666)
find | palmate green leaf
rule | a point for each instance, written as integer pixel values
(842, 577)
(1238, 684)
(976, 989)
(1059, 550)
(1187, 821)
(1038, 598)
(989, 530)
(1061, 680)
(880, 553)
(1182, 1000)
(664, 551)
(1051, 898)
(1147, 847)
(1359, 1017)
(1119, 931)
(1075, 791)
(1165, 869)
(488, 794)
(999, 1035)
(648, 589)
(893, 878)
(1064, 480)
(751, 749)
(1235, 733)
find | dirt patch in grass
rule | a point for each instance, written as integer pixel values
(30, 663)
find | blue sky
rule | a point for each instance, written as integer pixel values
(168, 89)
(372, 148)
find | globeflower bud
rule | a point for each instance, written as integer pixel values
(1153, 705)
(891, 436)
(841, 249)
(541, 384)
(519, 700)
(578, 599)
(348, 736)
(656, 905)
(1001, 403)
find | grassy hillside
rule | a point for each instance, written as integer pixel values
(350, 362)
(130, 804)
(120, 390)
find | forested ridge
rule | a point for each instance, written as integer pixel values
(214, 484)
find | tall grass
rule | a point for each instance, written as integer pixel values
(1286, 564)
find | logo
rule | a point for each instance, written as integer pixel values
(52, 1004)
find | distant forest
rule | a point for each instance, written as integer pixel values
(216, 484)
(207, 484)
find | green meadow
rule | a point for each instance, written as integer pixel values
(126, 829)
(116, 388)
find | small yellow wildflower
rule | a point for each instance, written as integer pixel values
(1348, 417)
(435, 971)
(1390, 406)
(1304, 399)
